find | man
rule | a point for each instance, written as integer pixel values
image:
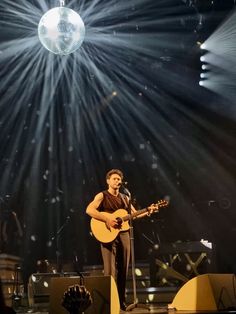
(115, 254)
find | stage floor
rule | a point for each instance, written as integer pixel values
(152, 308)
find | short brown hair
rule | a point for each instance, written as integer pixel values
(114, 171)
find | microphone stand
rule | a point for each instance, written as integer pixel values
(57, 237)
(135, 303)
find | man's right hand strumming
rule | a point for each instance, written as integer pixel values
(110, 223)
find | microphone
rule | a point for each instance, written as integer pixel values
(124, 188)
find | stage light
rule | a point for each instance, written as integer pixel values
(202, 75)
(45, 284)
(61, 30)
(203, 46)
(201, 83)
(150, 297)
(202, 58)
(204, 67)
(33, 278)
(138, 272)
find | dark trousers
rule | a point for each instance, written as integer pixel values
(116, 256)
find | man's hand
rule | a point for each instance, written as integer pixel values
(111, 223)
(152, 208)
(155, 207)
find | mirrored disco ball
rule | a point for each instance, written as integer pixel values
(61, 30)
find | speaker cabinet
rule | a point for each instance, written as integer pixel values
(38, 289)
(209, 292)
(102, 288)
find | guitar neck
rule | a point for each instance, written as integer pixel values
(137, 213)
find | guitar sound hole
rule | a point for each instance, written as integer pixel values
(119, 222)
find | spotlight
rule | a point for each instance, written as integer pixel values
(201, 83)
(203, 58)
(203, 46)
(61, 30)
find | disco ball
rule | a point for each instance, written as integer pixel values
(61, 30)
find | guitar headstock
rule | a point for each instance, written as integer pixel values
(162, 203)
(155, 207)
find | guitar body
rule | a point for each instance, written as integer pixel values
(102, 233)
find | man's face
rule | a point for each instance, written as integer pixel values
(114, 181)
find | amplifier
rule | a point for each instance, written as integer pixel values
(39, 288)
(46, 290)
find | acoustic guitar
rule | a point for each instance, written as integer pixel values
(105, 235)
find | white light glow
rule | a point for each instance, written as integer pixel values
(203, 58)
(33, 278)
(204, 67)
(45, 283)
(138, 272)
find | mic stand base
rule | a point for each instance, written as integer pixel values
(136, 305)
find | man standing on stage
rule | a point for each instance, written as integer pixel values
(115, 254)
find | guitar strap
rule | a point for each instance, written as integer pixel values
(124, 199)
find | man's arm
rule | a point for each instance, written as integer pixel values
(150, 210)
(92, 211)
(92, 208)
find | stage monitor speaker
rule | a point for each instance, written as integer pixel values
(208, 292)
(38, 289)
(103, 291)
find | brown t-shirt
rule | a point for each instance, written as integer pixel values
(111, 203)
